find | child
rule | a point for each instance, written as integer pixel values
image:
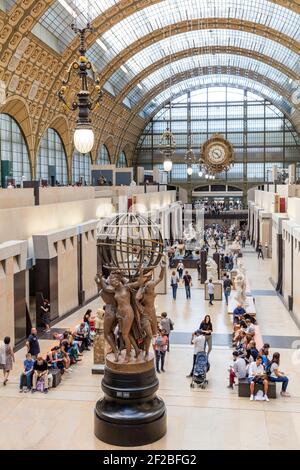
(28, 370)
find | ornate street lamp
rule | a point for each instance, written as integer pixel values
(87, 99)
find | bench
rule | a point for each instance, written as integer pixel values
(244, 388)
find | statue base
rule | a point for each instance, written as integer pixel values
(130, 414)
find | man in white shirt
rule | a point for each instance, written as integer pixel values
(211, 291)
(256, 374)
(198, 340)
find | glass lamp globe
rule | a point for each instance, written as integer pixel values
(206, 176)
(200, 173)
(83, 140)
(168, 165)
(189, 170)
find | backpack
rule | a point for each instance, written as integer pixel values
(268, 368)
(171, 325)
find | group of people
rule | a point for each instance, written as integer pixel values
(179, 277)
(251, 363)
(216, 207)
(38, 368)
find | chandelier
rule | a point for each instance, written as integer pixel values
(167, 146)
(190, 160)
(88, 97)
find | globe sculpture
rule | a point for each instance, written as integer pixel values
(130, 248)
(129, 242)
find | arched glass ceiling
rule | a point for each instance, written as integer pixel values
(208, 60)
(222, 80)
(169, 12)
(203, 38)
(59, 16)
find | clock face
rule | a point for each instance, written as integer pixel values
(216, 154)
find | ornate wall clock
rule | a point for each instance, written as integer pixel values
(217, 154)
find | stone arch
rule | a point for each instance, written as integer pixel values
(17, 108)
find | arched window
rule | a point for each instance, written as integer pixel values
(103, 156)
(52, 160)
(13, 151)
(81, 168)
(122, 161)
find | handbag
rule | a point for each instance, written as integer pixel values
(171, 325)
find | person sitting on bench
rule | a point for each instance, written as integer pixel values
(40, 368)
(278, 376)
(239, 368)
(81, 334)
(257, 375)
(27, 372)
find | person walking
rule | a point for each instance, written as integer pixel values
(260, 252)
(187, 284)
(227, 285)
(211, 291)
(174, 284)
(206, 329)
(7, 359)
(160, 348)
(32, 344)
(180, 268)
(167, 325)
(198, 340)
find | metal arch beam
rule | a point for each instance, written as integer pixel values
(201, 51)
(214, 85)
(237, 71)
(196, 25)
(125, 8)
(183, 76)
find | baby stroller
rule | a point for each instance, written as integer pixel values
(200, 370)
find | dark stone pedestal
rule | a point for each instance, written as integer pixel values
(130, 414)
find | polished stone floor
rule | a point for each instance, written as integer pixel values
(214, 418)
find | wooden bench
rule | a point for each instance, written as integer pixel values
(244, 388)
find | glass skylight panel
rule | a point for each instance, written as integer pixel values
(59, 16)
(172, 11)
(203, 61)
(197, 39)
(222, 80)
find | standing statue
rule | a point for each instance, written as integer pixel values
(212, 269)
(145, 299)
(99, 344)
(125, 312)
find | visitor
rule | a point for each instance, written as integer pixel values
(187, 284)
(160, 348)
(238, 312)
(174, 284)
(260, 252)
(244, 240)
(256, 374)
(206, 329)
(45, 315)
(40, 372)
(26, 374)
(226, 260)
(278, 376)
(180, 268)
(32, 344)
(167, 325)
(227, 285)
(250, 329)
(81, 334)
(252, 351)
(211, 291)
(264, 353)
(55, 359)
(7, 359)
(86, 320)
(239, 369)
(198, 340)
